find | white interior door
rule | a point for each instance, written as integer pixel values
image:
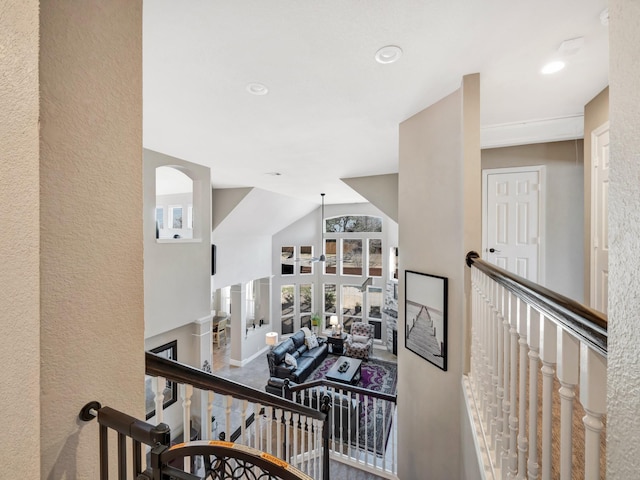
(599, 212)
(512, 199)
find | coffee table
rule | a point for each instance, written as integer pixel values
(351, 375)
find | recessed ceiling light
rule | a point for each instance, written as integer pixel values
(388, 54)
(552, 67)
(257, 89)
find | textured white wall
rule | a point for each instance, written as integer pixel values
(19, 238)
(91, 321)
(439, 220)
(623, 422)
(177, 274)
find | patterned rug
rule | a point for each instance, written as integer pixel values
(376, 375)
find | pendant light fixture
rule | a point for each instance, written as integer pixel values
(322, 256)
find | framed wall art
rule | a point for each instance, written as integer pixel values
(426, 317)
(169, 351)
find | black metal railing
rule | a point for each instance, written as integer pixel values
(588, 325)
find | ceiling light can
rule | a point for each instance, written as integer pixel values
(388, 54)
(552, 67)
(256, 88)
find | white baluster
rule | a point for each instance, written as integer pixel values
(208, 424)
(228, 429)
(186, 392)
(158, 385)
(279, 432)
(349, 423)
(296, 422)
(593, 396)
(568, 361)
(269, 431)
(493, 370)
(523, 444)
(506, 380)
(373, 412)
(318, 446)
(513, 382)
(534, 346)
(548, 355)
(499, 377)
(309, 448)
(287, 436)
(243, 425)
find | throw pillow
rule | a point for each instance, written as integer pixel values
(360, 338)
(312, 342)
(290, 360)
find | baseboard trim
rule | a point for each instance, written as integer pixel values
(242, 363)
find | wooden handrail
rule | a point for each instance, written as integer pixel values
(586, 324)
(342, 386)
(158, 366)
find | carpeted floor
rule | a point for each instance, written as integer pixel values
(375, 422)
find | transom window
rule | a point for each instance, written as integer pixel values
(353, 223)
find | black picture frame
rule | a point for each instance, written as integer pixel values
(169, 351)
(426, 316)
(213, 259)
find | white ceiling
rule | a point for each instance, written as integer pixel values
(332, 111)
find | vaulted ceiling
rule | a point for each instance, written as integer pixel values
(331, 110)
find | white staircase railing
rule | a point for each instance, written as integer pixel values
(536, 389)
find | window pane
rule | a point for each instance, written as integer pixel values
(351, 301)
(305, 321)
(375, 257)
(286, 299)
(353, 223)
(347, 322)
(176, 217)
(287, 261)
(351, 257)
(394, 256)
(306, 255)
(374, 301)
(330, 254)
(160, 217)
(306, 295)
(329, 298)
(287, 325)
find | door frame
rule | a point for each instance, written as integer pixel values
(595, 133)
(541, 170)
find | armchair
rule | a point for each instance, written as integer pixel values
(359, 344)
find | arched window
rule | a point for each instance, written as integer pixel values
(353, 223)
(174, 204)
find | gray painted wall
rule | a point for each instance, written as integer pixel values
(436, 227)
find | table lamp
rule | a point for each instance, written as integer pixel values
(333, 321)
(271, 338)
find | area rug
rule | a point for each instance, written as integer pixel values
(379, 376)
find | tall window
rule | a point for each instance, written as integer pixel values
(306, 255)
(351, 257)
(330, 256)
(287, 260)
(306, 304)
(375, 257)
(329, 301)
(351, 305)
(287, 308)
